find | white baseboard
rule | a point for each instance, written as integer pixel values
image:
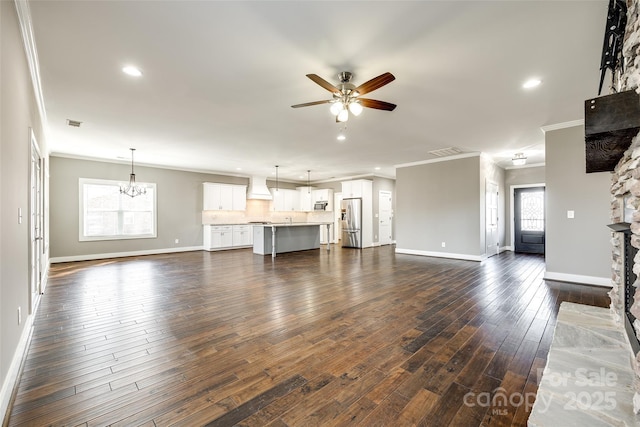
(465, 257)
(576, 278)
(506, 248)
(14, 368)
(89, 257)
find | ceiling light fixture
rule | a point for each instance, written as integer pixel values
(308, 181)
(531, 83)
(519, 159)
(132, 71)
(133, 189)
(276, 179)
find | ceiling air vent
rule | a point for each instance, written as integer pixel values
(444, 152)
(74, 123)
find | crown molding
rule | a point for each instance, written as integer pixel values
(532, 165)
(562, 125)
(440, 159)
(26, 28)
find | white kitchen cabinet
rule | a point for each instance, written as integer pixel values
(305, 198)
(285, 200)
(357, 188)
(226, 197)
(217, 237)
(323, 195)
(242, 235)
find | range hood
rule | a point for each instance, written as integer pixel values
(258, 188)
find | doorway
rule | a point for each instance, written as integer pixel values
(36, 231)
(385, 218)
(529, 220)
(492, 238)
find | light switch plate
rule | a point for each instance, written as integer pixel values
(571, 214)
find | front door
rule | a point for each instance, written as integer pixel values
(529, 227)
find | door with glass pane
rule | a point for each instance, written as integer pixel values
(529, 227)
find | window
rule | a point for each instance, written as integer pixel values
(105, 214)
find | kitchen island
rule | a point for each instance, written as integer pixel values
(287, 237)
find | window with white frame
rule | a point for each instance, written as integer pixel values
(106, 214)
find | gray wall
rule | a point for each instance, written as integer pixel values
(580, 246)
(179, 206)
(519, 176)
(18, 113)
(439, 202)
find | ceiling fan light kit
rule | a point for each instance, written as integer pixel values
(346, 97)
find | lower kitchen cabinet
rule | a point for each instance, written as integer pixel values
(217, 237)
(242, 235)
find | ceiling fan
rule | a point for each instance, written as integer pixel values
(346, 97)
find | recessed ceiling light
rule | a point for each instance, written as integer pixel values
(531, 83)
(377, 168)
(132, 71)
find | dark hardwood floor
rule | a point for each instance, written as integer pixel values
(349, 337)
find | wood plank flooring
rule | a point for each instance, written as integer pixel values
(350, 337)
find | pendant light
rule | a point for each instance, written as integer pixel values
(308, 181)
(276, 179)
(132, 189)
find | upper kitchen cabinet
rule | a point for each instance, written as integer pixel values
(323, 195)
(224, 197)
(285, 200)
(357, 188)
(305, 196)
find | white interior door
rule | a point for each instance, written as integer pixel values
(492, 238)
(36, 225)
(385, 218)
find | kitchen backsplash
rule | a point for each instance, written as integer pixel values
(260, 210)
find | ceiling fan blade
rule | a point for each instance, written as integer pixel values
(375, 83)
(325, 84)
(378, 105)
(307, 104)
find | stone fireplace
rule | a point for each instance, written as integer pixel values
(625, 206)
(592, 338)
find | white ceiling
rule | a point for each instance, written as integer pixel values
(220, 78)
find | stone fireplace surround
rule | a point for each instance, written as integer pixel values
(592, 377)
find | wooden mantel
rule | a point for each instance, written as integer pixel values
(610, 122)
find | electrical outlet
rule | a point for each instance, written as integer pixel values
(19, 315)
(444, 244)
(177, 241)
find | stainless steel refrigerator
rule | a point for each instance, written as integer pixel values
(351, 216)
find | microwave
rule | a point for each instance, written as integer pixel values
(320, 206)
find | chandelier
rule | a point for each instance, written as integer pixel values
(132, 189)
